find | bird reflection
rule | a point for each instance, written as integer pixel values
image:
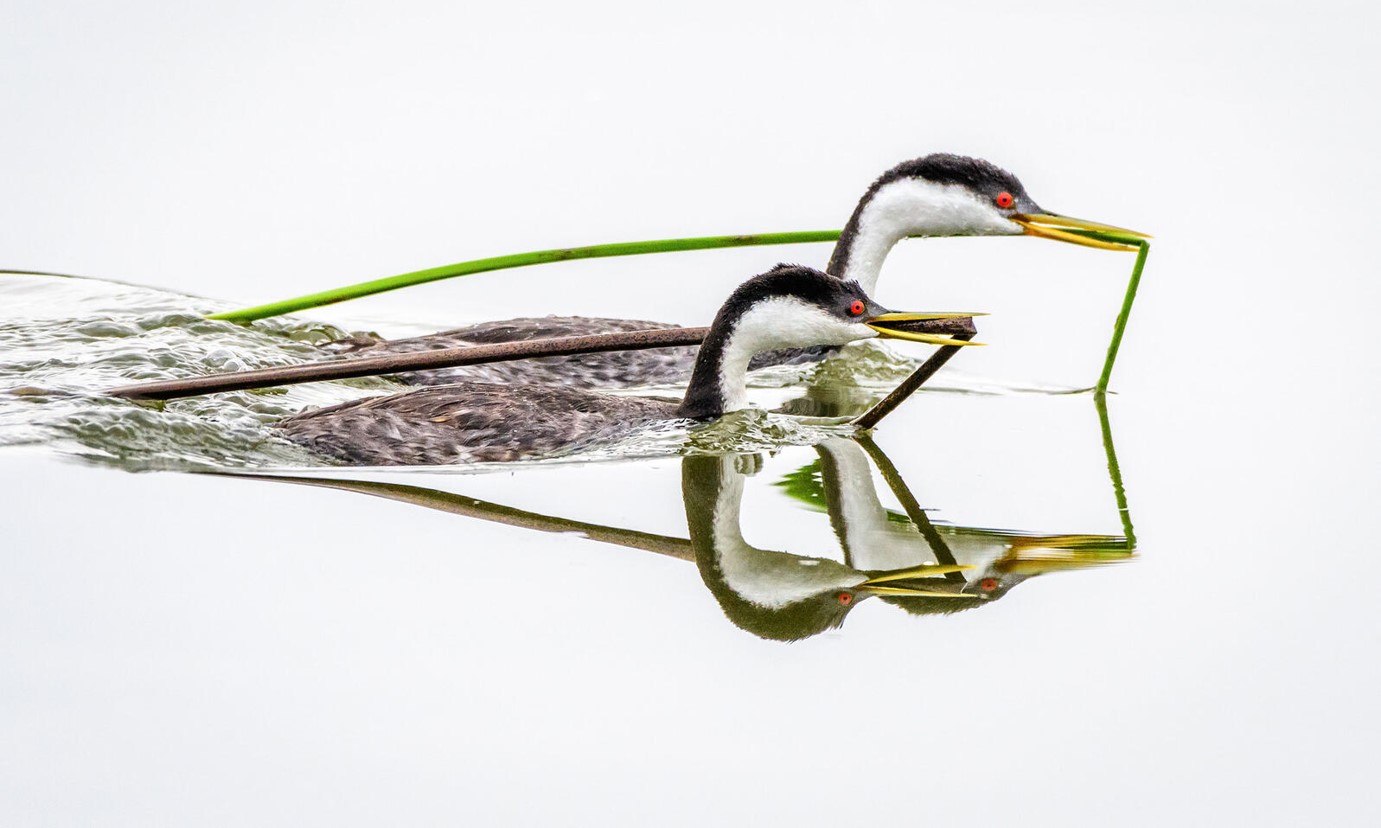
(990, 562)
(771, 594)
(904, 559)
(901, 558)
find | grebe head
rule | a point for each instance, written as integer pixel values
(789, 306)
(952, 195)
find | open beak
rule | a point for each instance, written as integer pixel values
(1078, 231)
(885, 584)
(1054, 553)
(900, 325)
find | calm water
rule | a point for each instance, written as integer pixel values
(328, 642)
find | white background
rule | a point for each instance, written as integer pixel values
(256, 151)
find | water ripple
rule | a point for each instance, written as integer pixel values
(64, 339)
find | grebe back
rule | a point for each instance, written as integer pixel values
(787, 307)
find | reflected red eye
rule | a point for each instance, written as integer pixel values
(857, 307)
(1004, 200)
(845, 599)
(988, 584)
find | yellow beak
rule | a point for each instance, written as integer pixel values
(883, 584)
(1079, 231)
(1038, 555)
(882, 323)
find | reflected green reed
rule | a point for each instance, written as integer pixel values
(921, 566)
(61, 338)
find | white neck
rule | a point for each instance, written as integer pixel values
(779, 322)
(762, 577)
(873, 541)
(909, 207)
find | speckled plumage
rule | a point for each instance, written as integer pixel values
(471, 422)
(474, 422)
(610, 369)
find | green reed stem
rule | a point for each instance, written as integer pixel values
(329, 297)
(1100, 401)
(1121, 324)
(417, 277)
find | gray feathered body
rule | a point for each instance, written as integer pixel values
(464, 422)
(611, 369)
(471, 422)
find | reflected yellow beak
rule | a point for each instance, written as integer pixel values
(882, 324)
(882, 584)
(924, 571)
(908, 592)
(1079, 231)
(1053, 553)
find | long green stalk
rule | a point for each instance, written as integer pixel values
(417, 277)
(1119, 492)
(1121, 324)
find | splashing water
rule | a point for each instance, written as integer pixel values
(63, 340)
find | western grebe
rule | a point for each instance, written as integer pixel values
(787, 307)
(936, 195)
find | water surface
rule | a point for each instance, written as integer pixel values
(982, 595)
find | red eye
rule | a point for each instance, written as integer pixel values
(1004, 200)
(857, 307)
(988, 584)
(845, 599)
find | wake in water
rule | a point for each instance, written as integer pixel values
(64, 340)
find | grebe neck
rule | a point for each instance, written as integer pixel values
(895, 208)
(719, 382)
